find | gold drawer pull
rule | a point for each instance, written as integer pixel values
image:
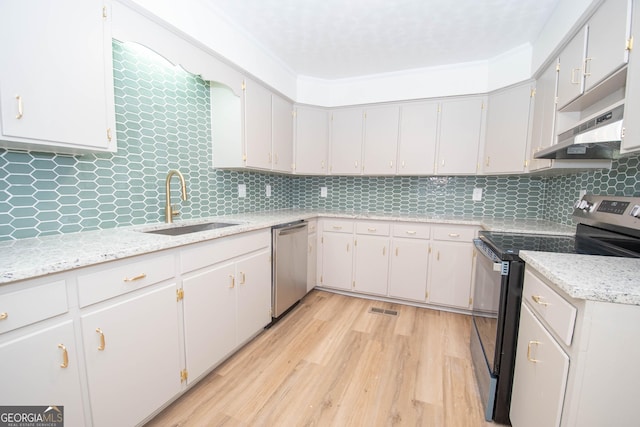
(233, 281)
(529, 351)
(4, 315)
(538, 300)
(454, 235)
(372, 229)
(20, 111)
(102, 345)
(134, 278)
(337, 227)
(384, 250)
(396, 251)
(244, 278)
(411, 233)
(65, 356)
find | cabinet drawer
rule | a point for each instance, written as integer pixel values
(555, 310)
(337, 225)
(208, 253)
(122, 277)
(32, 305)
(453, 233)
(373, 228)
(411, 230)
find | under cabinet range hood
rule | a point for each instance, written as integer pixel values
(596, 138)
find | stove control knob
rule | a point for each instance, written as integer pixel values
(576, 205)
(635, 212)
(585, 206)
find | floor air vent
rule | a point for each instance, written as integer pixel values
(377, 310)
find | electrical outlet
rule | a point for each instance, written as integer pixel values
(477, 194)
(242, 190)
(323, 191)
(267, 190)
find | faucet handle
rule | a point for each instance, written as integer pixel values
(174, 212)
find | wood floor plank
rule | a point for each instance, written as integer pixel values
(330, 362)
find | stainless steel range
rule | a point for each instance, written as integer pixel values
(607, 225)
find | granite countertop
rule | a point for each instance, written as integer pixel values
(590, 277)
(29, 258)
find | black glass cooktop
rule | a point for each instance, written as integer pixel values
(588, 240)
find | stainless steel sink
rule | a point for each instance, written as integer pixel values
(186, 229)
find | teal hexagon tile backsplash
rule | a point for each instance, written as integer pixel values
(163, 122)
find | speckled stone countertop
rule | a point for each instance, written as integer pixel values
(590, 277)
(34, 257)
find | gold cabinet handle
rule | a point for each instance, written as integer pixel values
(20, 111)
(4, 315)
(337, 227)
(310, 248)
(529, 358)
(348, 247)
(587, 61)
(102, 345)
(396, 251)
(134, 278)
(442, 162)
(233, 281)
(411, 233)
(488, 161)
(403, 163)
(538, 300)
(322, 164)
(390, 163)
(355, 164)
(65, 356)
(454, 235)
(384, 250)
(244, 278)
(438, 256)
(109, 134)
(372, 229)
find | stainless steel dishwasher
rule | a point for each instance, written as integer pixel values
(289, 268)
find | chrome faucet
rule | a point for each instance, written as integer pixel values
(169, 212)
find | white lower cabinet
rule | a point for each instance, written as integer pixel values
(42, 368)
(540, 377)
(253, 277)
(132, 351)
(371, 264)
(312, 255)
(409, 266)
(337, 260)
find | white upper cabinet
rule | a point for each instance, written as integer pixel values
(380, 140)
(418, 138)
(312, 140)
(631, 134)
(544, 116)
(282, 140)
(609, 30)
(56, 76)
(461, 129)
(257, 113)
(346, 141)
(595, 52)
(505, 149)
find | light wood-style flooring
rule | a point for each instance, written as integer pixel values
(331, 362)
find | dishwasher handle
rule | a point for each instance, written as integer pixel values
(291, 230)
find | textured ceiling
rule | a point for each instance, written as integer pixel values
(346, 38)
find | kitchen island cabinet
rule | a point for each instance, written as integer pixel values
(576, 360)
(56, 77)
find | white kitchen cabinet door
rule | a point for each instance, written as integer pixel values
(409, 266)
(380, 140)
(540, 376)
(253, 283)
(607, 51)
(505, 147)
(544, 116)
(282, 141)
(312, 140)
(450, 267)
(418, 138)
(312, 261)
(32, 371)
(56, 76)
(209, 317)
(346, 141)
(337, 260)
(461, 127)
(371, 264)
(631, 139)
(571, 73)
(132, 349)
(257, 126)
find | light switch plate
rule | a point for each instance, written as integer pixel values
(323, 191)
(267, 190)
(477, 194)
(242, 190)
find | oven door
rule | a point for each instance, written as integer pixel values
(488, 287)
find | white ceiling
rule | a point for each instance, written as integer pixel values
(333, 39)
